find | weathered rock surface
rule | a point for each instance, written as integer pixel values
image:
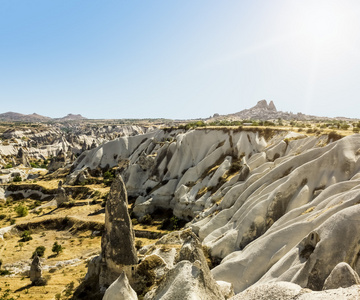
(117, 243)
(278, 290)
(341, 276)
(120, 289)
(290, 291)
(187, 281)
(36, 272)
(269, 205)
(61, 196)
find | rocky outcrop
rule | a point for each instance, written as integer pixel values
(61, 196)
(118, 252)
(278, 291)
(187, 281)
(36, 272)
(182, 174)
(120, 289)
(276, 221)
(23, 158)
(183, 273)
(57, 162)
(264, 111)
(290, 291)
(341, 276)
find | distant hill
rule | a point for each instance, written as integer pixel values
(72, 117)
(17, 117)
(13, 116)
(264, 111)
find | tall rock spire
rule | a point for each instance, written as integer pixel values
(118, 252)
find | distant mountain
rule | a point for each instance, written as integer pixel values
(13, 116)
(17, 117)
(72, 117)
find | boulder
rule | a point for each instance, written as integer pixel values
(191, 249)
(93, 268)
(341, 276)
(120, 289)
(187, 281)
(226, 289)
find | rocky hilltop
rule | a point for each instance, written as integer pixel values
(72, 117)
(264, 111)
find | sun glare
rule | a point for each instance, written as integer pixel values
(324, 25)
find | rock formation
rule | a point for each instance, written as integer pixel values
(271, 207)
(118, 252)
(36, 272)
(187, 276)
(290, 291)
(341, 276)
(120, 289)
(23, 158)
(61, 196)
(58, 161)
(187, 281)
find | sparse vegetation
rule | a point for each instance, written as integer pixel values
(17, 178)
(40, 250)
(26, 236)
(57, 248)
(138, 244)
(146, 220)
(21, 210)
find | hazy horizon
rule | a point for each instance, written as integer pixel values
(179, 60)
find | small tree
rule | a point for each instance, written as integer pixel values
(21, 244)
(57, 248)
(1, 262)
(39, 251)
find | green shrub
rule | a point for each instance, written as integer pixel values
(146, 220)
(40, 251)
(26, 236)
(356, 130)
(134, 221)
(108, 178)
(4, 273)
(34, 165)
(2, 216)
(21, 210)
(138, 244)
(17, 178)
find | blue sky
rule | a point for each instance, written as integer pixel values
(179, 59)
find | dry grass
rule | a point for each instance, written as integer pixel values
(78, 245)
(77, 248)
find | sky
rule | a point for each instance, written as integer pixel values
(179, 59)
